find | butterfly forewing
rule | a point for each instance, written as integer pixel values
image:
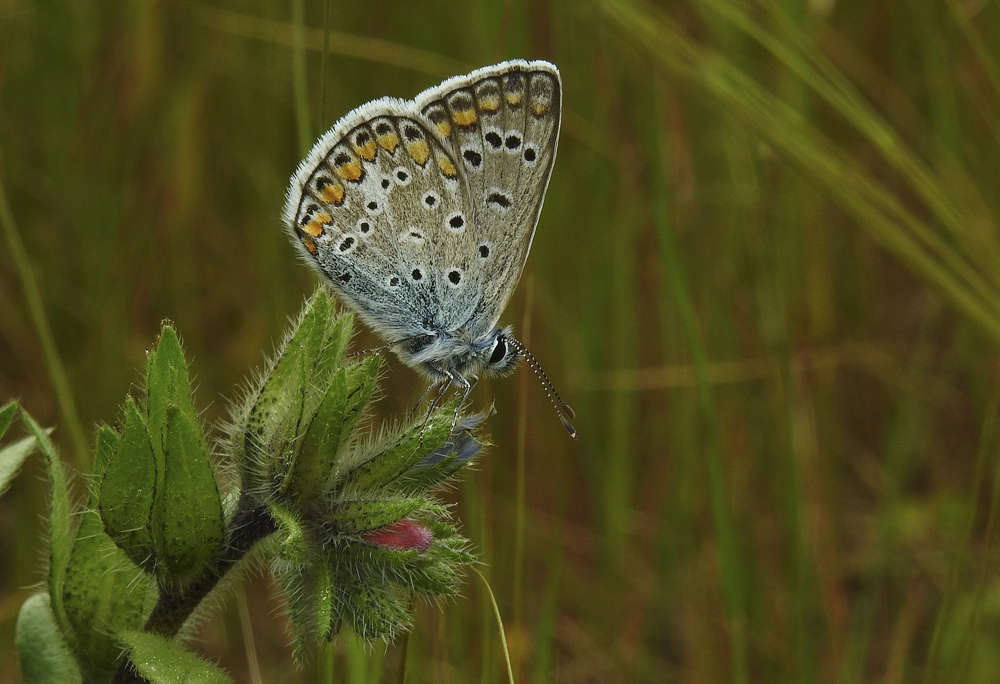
(502, 126)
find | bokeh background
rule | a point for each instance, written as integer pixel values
(767, 277)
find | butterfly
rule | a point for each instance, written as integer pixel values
(420, 214)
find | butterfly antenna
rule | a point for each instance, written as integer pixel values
(562, 408)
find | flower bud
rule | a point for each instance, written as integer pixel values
(403, 535)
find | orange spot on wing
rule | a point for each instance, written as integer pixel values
(351, 171)
(334, 193)
(310, 245)
(539, 108)
(389, 141)
(447, 168)
(368, 150)
(464, 117)
(444, 127)
(419, 151)
(490, 103)
(514, 98)
(315, 226)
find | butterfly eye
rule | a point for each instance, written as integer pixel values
(499, 351)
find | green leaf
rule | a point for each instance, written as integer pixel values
(337, 335)
(7, 413)
(309, 592)
(406, 450)
(273, 423)
(376, 610)
(167, 385)
(341, 408)
(452, 551)
(12, 457)
(441, 464)
(442, 531)
(60, 527)
(355, 517)
(309, 467)
(43, 654)
(104, 593)
(290, 531)
(361, 379)
(108, 443)
(128, 486)
(165, 661)
(338, 611)
(188, 526)
(322, 597)
(433, 579)
(432, 573)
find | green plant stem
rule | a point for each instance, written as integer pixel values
(175, 605)
(503, 635)
(338, 42)
(303, 125)
(733, 592)
(67, 405)
(878, 211)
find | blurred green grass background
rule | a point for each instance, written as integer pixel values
(767, 277)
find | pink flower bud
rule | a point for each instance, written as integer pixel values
(402, 535)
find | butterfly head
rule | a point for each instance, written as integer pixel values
(505, 353)
(443, 353)
(445, 356)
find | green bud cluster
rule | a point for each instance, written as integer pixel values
(359, 533)
(290, 431)
(347, 518)
(69, 633)
(159, 498)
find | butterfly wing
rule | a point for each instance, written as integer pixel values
(501, 124)
(377, 207)
(421, 213)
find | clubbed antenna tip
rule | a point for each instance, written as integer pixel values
(568, 409)
(569, 426)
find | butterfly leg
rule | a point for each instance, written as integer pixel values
(437, 400)
(465, 395)
(421, 399)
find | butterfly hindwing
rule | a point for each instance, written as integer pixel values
(381, 214)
